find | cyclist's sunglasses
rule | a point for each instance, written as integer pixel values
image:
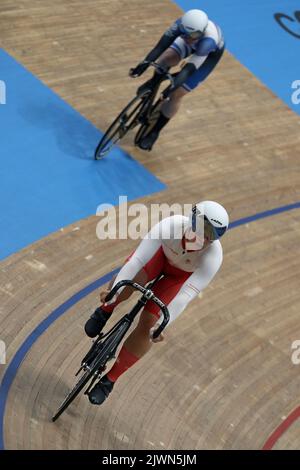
(211, 232)
(192, 34)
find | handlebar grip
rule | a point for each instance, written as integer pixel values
(163, 324)
(116, 288)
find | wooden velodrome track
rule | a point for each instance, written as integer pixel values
(223, 379)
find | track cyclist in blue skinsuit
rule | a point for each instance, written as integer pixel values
(192, 37)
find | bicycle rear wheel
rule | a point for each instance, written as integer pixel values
(126, 120)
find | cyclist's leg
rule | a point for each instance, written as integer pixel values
(138, 342)
(168, 59)
(136, 346)
(170, 107)
(171, 57)
(200, 75)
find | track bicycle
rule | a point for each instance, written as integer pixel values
(142, 110)
(105, 346)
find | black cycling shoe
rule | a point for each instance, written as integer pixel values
(100, 391)
(147, 142)
(96, 322)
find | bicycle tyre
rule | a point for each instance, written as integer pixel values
(73, 393)
(124, 122)
(109, 347)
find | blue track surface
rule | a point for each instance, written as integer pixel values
(48, 177)
(259, 42)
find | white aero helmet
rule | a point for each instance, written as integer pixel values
(210, 218)
(194, 23)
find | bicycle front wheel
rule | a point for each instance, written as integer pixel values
(73, 393)
(125, 121)
(97, 366)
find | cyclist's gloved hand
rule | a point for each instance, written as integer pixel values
(139, 69)
(160, 338)
(103, 295)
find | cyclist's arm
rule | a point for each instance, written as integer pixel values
(111, 282)
(105, 291)
(198, 281)
(165, 41)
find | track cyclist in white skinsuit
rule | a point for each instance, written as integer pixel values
(193, 37)
(188, 253)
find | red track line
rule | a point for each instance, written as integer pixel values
(284, 426)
